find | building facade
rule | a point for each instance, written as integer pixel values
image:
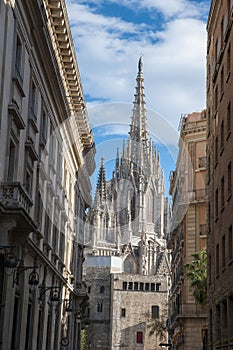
(188, 232)
(220, 157)
(46, 158)
(126, 256)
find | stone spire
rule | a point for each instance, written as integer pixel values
(101, 193)
(138, 128)
(117, 165)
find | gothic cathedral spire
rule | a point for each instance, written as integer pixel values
(138, 141)
(101, 194)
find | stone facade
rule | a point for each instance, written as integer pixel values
(187, 234)
(46, 158)
(219, 180)
(127, 222)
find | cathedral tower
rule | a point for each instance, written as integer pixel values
(125, 233)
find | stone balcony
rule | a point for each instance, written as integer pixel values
(15, 205)
(188, 310)
(13, 195)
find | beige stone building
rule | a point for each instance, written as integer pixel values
(127, 265)
(220, 158)
(46, 158)
(187, 234)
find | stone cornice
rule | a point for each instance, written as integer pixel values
(59, 29)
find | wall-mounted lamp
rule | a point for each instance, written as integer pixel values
(67, 304)
(54, 293)
(11, 260)
(33, 279)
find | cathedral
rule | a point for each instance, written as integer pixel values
(126, 260)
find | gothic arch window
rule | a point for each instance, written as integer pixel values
(150, 206)
(129, 265)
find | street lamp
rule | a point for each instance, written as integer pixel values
(54, 292)
(33, 279)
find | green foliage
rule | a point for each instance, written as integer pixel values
(158, 327)
(196, 272)
(84, 345)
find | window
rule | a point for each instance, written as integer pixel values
(89, 290)
(216, 149)
(224, 321)
(100, 307)
(201, 162)
(222, 135)
(218, 322)
(39, 330)
(39, 208)
(141, 286)
(147, 287)
(229, 117)
(28, 328)
(130, 286)
(18, 58)
(28, 179)
(139, 338)
(230, 246)
(216, 98)
(155, 311)
(123, 312)
(12, 160)
(33, 99)
(216, 203)
(229, 179)
(135, 285)
(210, 268)
(55, 233)
(14, 335)
(158, 287)
(152, 287)
(43, 125)
(102, 289)
(222, 192)
(229, 59)
(223, 251)
(150, 207)
(124, 286)
(217, 259)
(222, 80)
(48, 335)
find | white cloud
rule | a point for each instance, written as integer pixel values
(174, 58)
(169, 8)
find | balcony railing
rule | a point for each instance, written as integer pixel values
(13, 196)
(188, 310)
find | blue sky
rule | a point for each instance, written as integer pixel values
(109, 37)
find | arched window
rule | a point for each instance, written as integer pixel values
(150, 206)
(102, 289)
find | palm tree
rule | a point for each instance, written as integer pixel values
(196, 272)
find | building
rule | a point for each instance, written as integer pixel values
(127, 265)
(220, 158)
(47, 156)
(187, 234)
